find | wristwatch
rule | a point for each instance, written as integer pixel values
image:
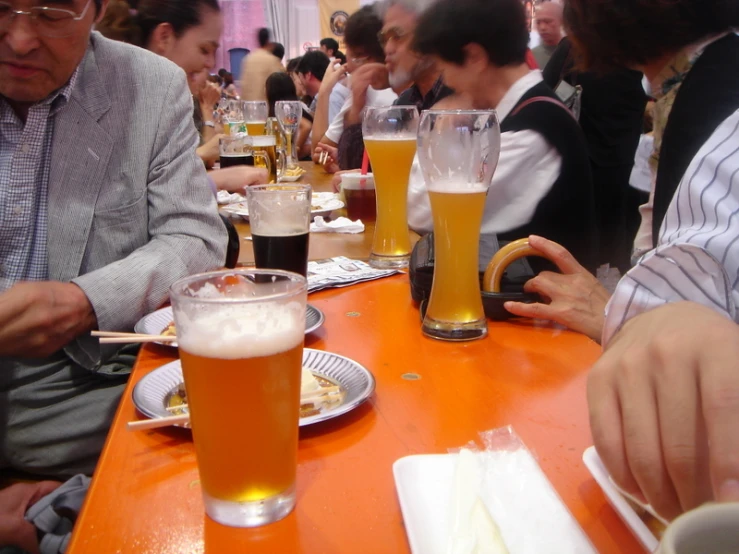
(209, 124)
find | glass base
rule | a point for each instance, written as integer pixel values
(378, 261)
(250, 514)
(445, 330)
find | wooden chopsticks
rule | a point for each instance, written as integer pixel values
(114, 337)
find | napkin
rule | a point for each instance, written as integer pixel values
(225, 197)
(340, 225)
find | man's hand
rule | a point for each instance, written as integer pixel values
(210, 95)
(664, 407)
(328, 156)
(237, 178)
(14, 502)
(370, 75)
(334, 74)
(39, 318)
(576, 298)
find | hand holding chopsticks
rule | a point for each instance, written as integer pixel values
(113, 337)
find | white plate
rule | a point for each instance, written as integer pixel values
(323, 203)
(155, 322)
(291, 178)
(623, 508)
(517, 494)
(150, 394)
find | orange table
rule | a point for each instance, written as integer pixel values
(145, 496)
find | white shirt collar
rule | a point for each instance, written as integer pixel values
(514, 94)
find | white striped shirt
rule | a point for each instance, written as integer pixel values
(697, 256)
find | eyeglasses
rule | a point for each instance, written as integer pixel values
(393, 33)
(49, 22)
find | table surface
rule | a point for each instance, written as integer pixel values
(145, 495)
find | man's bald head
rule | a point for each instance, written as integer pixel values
(549, 23)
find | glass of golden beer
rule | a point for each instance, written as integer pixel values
(240, 336)
(279, 217)
(390, 140)
(458, 153)
(289, 113)
(255, 116)
(268, 156)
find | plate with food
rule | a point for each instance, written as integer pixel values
(643, 521)
(161, 322)
(323, 203)
(331, 385)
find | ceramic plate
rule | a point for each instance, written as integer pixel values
(155, 322)
(323, 203)
(633, 521)
(151, 393)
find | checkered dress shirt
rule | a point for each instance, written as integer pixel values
(25, 165)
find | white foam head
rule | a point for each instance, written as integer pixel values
(456, 186)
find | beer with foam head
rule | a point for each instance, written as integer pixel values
(390, 140)
(240, 337)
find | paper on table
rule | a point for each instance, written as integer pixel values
(342, 272)
(340, 225)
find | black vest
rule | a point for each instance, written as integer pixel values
(708, 95)
(567, 213)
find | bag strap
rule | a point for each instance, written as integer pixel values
(535, 99)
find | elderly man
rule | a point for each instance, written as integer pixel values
(549, 26)
(105, 204)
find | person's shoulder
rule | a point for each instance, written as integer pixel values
(125, 60)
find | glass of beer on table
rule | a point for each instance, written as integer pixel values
(390, 140)
(255, 116)
(268, 156)
(235, 149)
(240, 336)
(359, 196)
(279, 217)
(289, 113)
(458, 152)
(233, 117)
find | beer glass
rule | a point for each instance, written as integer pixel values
(235, 149)
(240, 336)
(390, 140)
(255, 116)
(233, 117)
(279, 216)
(273, 128)
(288, 113)
(359, 196)
(272, 159)
(458, 153)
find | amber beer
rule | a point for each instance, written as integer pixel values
(240, 336)
(455, 294)
(256, 128)
(267, 144)
(391, 159)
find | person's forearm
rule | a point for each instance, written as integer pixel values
(209, 130)
(320, 119)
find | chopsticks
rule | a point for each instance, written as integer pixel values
(114, 337)
(325, 393)
(323, 158)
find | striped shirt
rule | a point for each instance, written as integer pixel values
(697, 257)
(25, 165)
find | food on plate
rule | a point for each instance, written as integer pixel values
(294, 171)
(169, 330)
(317, 393)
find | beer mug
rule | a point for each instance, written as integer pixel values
(255, 116)
(390, 139)
(279, 218)
(458, 152)
(233, 117)
(240, 335)
(266, 155)
(235, 149)
(273, 128)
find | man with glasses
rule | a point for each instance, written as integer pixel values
(104, 204)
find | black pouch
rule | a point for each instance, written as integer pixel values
(421, 273)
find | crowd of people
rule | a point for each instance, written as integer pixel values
(106, 150)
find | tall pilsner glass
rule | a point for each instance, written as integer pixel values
(390, 138)
(240, 335)
(255, 116)
(458, 153)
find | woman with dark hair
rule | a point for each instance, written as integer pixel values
(280, 86)
(664, 397)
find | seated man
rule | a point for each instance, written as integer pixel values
(105, 204)
(542, 184)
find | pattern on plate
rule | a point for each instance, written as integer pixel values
(150, 393)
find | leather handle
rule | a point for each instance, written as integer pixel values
(502, 259)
